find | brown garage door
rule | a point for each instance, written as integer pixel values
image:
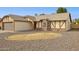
(8, 26)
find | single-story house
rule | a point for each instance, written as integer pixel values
(16, 23)
(59, 21)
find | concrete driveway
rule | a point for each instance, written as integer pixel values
(68, 42)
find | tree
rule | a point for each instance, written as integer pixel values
(77, 21)
(36, 14)
(61, 10)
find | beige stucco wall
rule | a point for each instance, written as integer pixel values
(7, 19)
(39, 24)
(68, 25)
(0, 25)
(64, 25)
(28, 19)
(56, 24)
(53, 24)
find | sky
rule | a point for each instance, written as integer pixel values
(23, 11)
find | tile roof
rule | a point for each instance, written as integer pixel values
(16, 17)
(21, 18)
(53, 17)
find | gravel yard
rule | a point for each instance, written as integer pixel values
(69, 41)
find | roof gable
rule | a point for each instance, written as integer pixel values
(30, 17)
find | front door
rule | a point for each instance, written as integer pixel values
(34, 25)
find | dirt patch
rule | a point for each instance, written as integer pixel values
(34, 36)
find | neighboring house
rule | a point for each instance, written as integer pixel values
(16, 23)
(59, 22)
